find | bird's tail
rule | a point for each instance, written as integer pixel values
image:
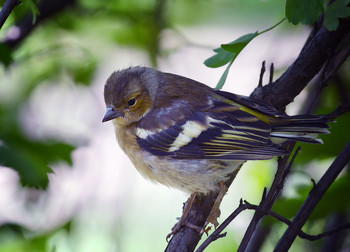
(304, 128)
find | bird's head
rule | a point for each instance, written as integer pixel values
(129, 94)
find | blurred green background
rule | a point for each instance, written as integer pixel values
(64, 183)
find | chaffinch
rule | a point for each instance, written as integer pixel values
(184, 134)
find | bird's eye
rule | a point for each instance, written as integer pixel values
(132, 102)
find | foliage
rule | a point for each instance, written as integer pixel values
(227, 53)
(307, 12)
(296, 11)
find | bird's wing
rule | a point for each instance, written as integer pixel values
(219, 131)
(252, 104)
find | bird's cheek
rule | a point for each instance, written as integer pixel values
(118, 121)
(122, 120)
(134, 116)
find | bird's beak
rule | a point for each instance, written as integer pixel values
(111, 114)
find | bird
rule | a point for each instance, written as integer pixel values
(186, 135)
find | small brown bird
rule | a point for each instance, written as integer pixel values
(184, 134)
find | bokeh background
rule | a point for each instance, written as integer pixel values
(51, 107)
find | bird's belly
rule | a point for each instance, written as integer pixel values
(189, 175)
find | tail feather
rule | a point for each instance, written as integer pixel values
(304, 128)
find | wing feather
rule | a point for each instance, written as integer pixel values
(219, 131)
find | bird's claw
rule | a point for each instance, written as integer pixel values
(181, 223)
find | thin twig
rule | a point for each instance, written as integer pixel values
(262, 71)
(312, 200)
(290, 164)
(244, 205)
(6, 10)
(272, 71)
(25, 25)
(309, 62)
(266, 205)
(216, 234)
(329, 70)
(301, 233)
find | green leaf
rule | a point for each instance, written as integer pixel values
(238, 45)
(31, 158)
(221, 58)
(224, 77)
(5, 55)
(32, 172)
(338, 9)
(304, 11)
(227, 53)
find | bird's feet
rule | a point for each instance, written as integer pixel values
(179, 224)
(212, 218)
(183, 220)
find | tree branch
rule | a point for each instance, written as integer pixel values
(261, 209)
(6, 10)
(246, 205)
(312, 200)
(309, 62)
(186, 239)
(283, 170)
(262, 71)
(217, 233)
(24, 27)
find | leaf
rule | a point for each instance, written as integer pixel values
(221, 58)
(31, 158)
(238, 45)
(229, 52)
(31, 171)
(304, 11)
(338, 9)
(223, 77)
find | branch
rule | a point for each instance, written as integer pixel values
(300, 233)
(309, 62)
(217, 233)
(312, 200)
(186, 239)
(265, 206)
(329, 70)
(24, 27)
(246, 205)
(262, 71)
(6, 10)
